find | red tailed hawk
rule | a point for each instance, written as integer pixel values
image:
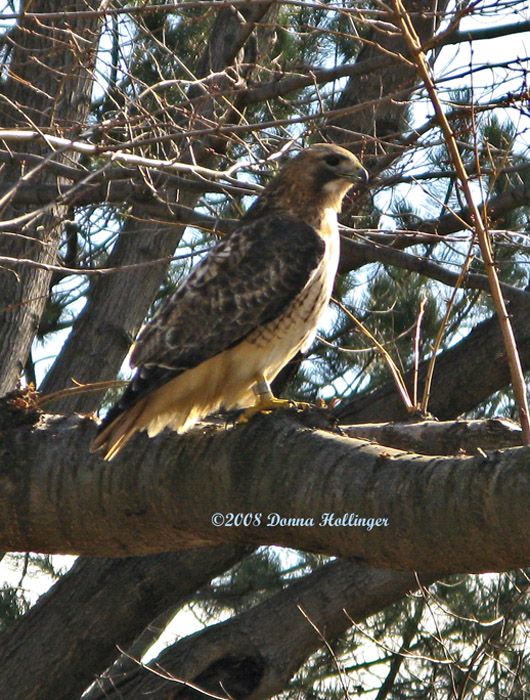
(245, 310)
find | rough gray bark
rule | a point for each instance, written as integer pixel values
(98, 607)
(255, 654)
(429, 437)
(436, 513)
(49, 84)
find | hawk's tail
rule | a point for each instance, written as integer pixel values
(114, 436)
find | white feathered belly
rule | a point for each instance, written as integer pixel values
(226, 380)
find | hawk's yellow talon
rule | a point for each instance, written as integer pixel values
(266, 403)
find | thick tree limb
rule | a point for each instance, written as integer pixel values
(253, 655)
(67, 364)
(430, 437)
(484, 34)
(373, 587)
(443, 514)
(98, 606)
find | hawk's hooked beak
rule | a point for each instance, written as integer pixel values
(357, 175)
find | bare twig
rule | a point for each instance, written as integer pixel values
(80, 389)
(321, 636)
(98, 271)
(516, 370)
(168, 677)
(396, 374)
(417, 338)
(441, 330)
(85, 148)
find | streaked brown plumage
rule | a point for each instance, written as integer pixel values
(245, 310)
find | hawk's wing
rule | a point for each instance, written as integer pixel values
(247, 280)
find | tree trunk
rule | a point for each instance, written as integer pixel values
(117, 305)
(48, 86)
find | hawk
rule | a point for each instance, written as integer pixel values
(245, 310)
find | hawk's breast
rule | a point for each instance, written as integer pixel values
(294, 329)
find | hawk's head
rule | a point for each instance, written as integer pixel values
(329, 171)
(332, 163)
(314, 180)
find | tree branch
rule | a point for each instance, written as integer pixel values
(106, 603)
(430, 437)
(353, 251)
(257, 652)
(484, 34)
(62, 145)
(146, 501)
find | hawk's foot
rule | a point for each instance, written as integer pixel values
(267, 403)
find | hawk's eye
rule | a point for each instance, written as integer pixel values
(333, 160)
